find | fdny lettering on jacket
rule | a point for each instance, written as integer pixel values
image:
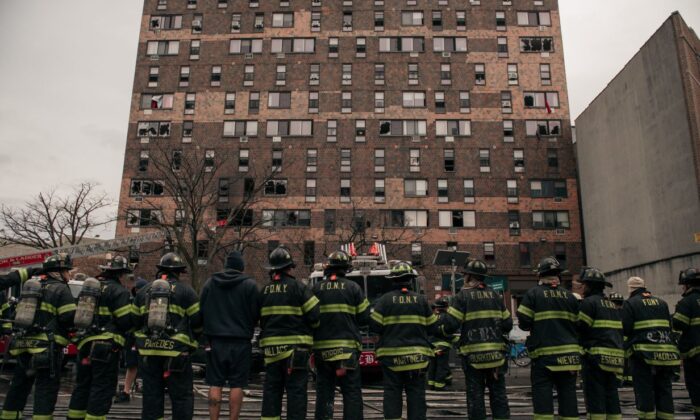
(404, 299)
(650, 302)
(482, 294)
(275, 288)
(556, 294)
(332, 285)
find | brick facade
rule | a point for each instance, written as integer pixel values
(485, 114)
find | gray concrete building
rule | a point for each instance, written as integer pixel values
(638, 152)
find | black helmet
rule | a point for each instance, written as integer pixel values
(279, 258)
(171, 262)
(441, 303)
(594, 276)
(617, 298)
(58, 262)
(689, 275)
(549, 266)
(476, 268)
(402, 271)
(339, 259)
(117, 264)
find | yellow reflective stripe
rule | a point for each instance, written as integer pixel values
(469, 348)
(7, 325)
(271, 418)
(152, 352)
(10, 415)
(414, 366)
(652, 323)
(193, 309)
(544, 315)
(489, 365)
(409, 319)
(606, 323)
(287, 339)
(309, 304)
(103, 310)
(47, 307)
(404, 351)
(614, 417)
(281, 310)
(664, 416)
(646, 415)
(23, 274)
(91, 417)
(338, 307)
(140, 310)
(543, 417)
(66, 308)
(77, 414)
(506, 314)
(363, 306)
(695, 321)
(43, 337)
(456, 313)
(553, 350)
(105, 336)
(524, 310)
(655, 347)
(432, 319)
(330, 344)
(176, 309)
(184, 339)
(606, 351)
(564, 368)
(583, 317)
(681, 318)
(691, 353)
(278, 357)
(377, 317)
(483, 314)
(124, 310)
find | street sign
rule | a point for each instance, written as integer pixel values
(498, 283)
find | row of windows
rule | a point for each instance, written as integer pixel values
(215, 75)
(552, 220)
(223, 4)
(408, 18)
(247, 129)
(398, 44)
(412, 188)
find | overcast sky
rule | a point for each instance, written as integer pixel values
(67, 68)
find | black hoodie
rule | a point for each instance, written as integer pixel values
(229, 305)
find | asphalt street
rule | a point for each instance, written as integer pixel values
(441, 405)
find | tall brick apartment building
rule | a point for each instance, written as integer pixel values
(430, 123)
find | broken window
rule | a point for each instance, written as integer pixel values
(276, 187)
(542, 128)
(541, 99)
(157, 101)
(153, 129)
(536, 44)
(513, 222)
(146, 188)
(480, 74)
(457, 219)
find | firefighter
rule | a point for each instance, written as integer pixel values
(617, 299)
(549, 312)
(687, 321)
(653, 355)
(42, 319)
(439, 373)
(600, 329)
(484, 321)
(337, 340)
(403, 320)
(289, 313)
(103, 317)
(168, 321)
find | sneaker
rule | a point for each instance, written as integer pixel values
(122, 397)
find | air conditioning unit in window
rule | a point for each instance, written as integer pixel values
(449, 139)
(155, 57)
(197, 25)
(315, 25)
(446, 54)
(314, 77)
(506, 104)
(259, 26)
(415, 138)
(244, 139)
(315, 3)
(236, 26)
(561, 231)
(453, 231)
(280, 55)
(249, 56)
(276, 139)
(543, 28)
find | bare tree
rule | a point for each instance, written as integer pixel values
(50, 220)
(200, 216)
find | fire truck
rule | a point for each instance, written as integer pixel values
(370, 273)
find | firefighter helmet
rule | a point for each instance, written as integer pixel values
(58, 262)
(117, 264)
(279, 258)
(688, 276)
(171, 262)
(87, 303)
(402, 271)
(549, 267)
(29, 301)
(476, 268)
(594, 276)
(441, 303)
(339, 259)
(617, 298)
